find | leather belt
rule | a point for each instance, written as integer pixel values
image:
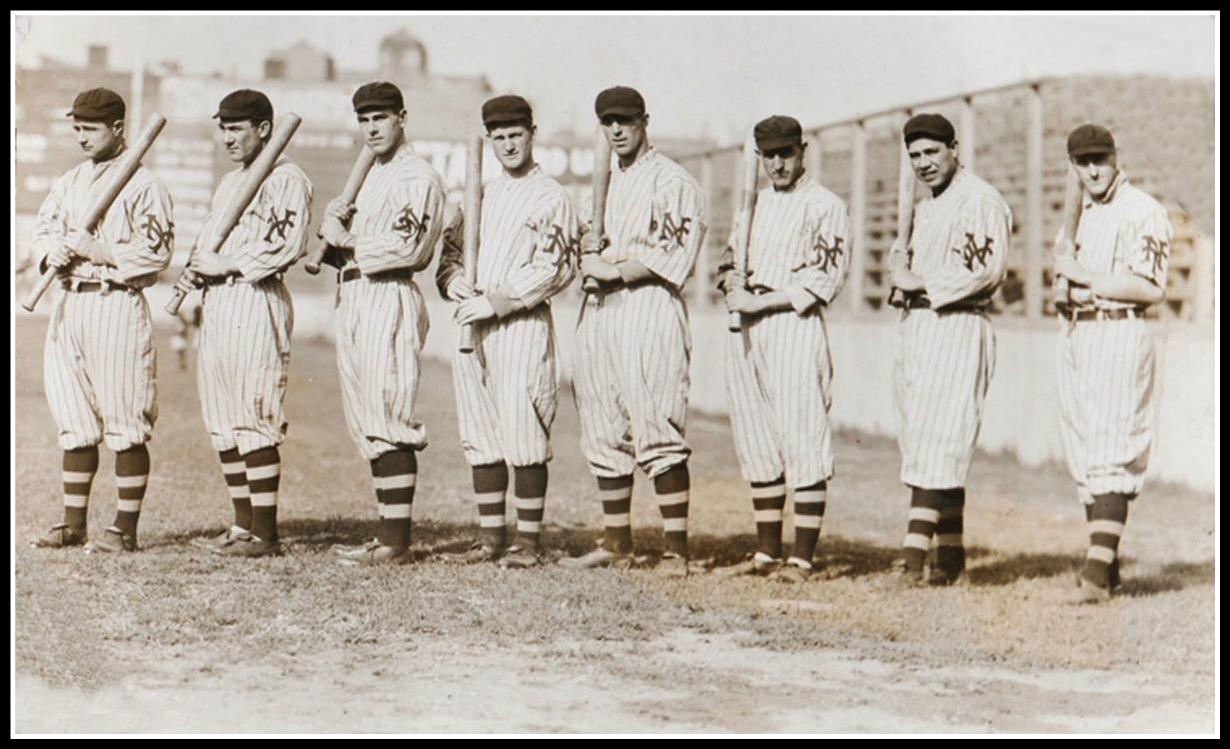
(219, 280)
(354, 274)
(77, 285)
(1085, 315)
(918, 300)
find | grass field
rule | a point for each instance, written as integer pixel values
(173, 641)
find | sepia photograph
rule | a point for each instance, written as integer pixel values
(611, 374)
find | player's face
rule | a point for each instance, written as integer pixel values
(514, 147)
(783, 165)
(934, 162)
(1097, 172)
(243, 139)
(99, 140)
(382, 130)
(627, 135)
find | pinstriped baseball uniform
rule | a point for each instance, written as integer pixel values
(1106, 367)
(244, 344)
(507, 388)
(778, 370)
(634, 345)
(380, 317)
(99, 360)
(946, 354)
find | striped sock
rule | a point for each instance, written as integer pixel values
(77, 475)
(530, 492)
(490, 488)
(673, 489)
(924, 519)
(131, 478)
(950, 531)
(809, 505)
(395, 475)
(264, 468)
(1107, 519)
(768, 502)
(616, 497)
(235, 471)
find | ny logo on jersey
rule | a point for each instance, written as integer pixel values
(672, 230)
(971, 252)
(1155, 251)
(556, 243)
(829, 255)
(279, 225)
(409, 225)
(159, 238)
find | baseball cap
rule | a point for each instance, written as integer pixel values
(777, 132)
(934, 126)
(619, 100)
(506, 109)
(245, 104)
(1090, 139)
(98, 104)
(378, 95)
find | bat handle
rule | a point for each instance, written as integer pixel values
(40, 288)
(177, 298)
(466, 345)
(734, 322)
(896, 298)
(312, 266)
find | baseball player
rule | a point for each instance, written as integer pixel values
(633, 342)
(243, 348)
(378, 244)
(507, 388)
(99, 358)
(778, 371)
(953, 261)
(1116, 271)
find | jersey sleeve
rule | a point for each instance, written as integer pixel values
(281, 213)
(146, 237)
(551, 265)
(677, 230)
(452, 252)
(829, 257)
(52, 222)
(1145, 244)
(408, 238)
(977, 257)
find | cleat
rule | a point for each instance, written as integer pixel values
(59, 537)
(113, 541)
(760, 564)
(597, 559)
(672, 565)
(223, 539)
(940, 577)
(373, 554)
(1086, 592)
(348, 549)
(520, 558)
(479, 552)
(791, 574)
(251, 547)
(902, 578)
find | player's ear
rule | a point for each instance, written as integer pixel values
(264, 128)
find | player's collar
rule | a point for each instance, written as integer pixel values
(1116, 185)
(650, 154)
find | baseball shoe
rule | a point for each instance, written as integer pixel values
(760, 564)
(59, 537)
(113, 541)
(479, 552)
(945, 578)
(225, 538)
(790, 573)
(374, 553)
(520, 558)
(250, 547)
(598, 558)
(903, 578)
(672, 565)
(1086, 592)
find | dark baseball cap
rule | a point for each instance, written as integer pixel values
(933, 126)
(1088, 140)
(777, 132)
(378, 95)
(620, 100)
(506, 110)
(98, 104)
(245, 104)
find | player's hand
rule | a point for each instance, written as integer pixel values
(212, 265)
(1068, 267)
(60, 257)
(460, 289)
(474, 309)
(86, 245)
(598, 269)
(187, 283)
(1064, 247)
(332, 231)
(903, 278)
(1082, 296)
(339, 209)
(740, 300)
(591, 243)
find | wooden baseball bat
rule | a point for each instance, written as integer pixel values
(358, 173)
(117, 178)
(602, 180)
(747, 211)
(905, 218)
(1072, 195)
(472, 206)
(226, 223)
